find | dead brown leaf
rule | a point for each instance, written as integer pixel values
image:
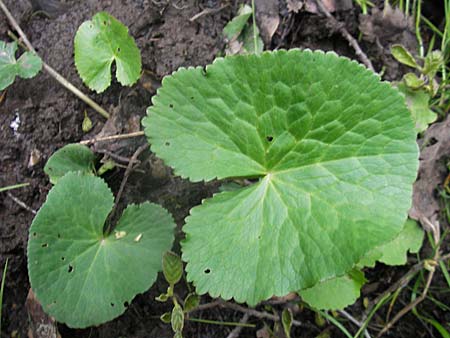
(435, 151)
(294, 5)
(268, 18)
(41, 324)
(330, 5)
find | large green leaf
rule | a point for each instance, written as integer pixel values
(27, 66)
(71, 157)
(79, 275)
(334, 150)
(98, 43)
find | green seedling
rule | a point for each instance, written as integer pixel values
(242, 35)
(27, 66)
(418, 90)
(100, 42)
(333, 160)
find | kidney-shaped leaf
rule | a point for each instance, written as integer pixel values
(81, 277)
(334, 150)
(98, 43)
(71, 157)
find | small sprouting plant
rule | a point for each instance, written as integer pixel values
(331, 151)
(83, 270)
(27, 66)
(100, 42)
(418, 90)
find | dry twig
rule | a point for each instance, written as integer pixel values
(351, 40)
(112, 137)
(20, 203)
(435, 230)
(237, 330)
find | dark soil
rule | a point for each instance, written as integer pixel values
(51, 117)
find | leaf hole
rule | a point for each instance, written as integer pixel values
(171, 105)
(34, 234)
(126, 304)
(45, 245)
(204, 71)
(167, 143)
(59, 235)
(192, 97)
(112, 304)
(70, 269)
(269, 138)
(63, 258)
(259, 237)
(104, 22)
(207, 271)
(118, 49)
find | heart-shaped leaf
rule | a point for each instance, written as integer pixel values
(80, 276)
(334, 151)
(98, 43)
(27, 66)
(71, 157)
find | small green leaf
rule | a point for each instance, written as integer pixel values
(433, 62)
(335, 293)
(412, 81)
(403, 56)
(191, 302)
(418, 102)
(235, 26)
(395, 252)
(177, 319)
(27, 66)
(162, 297)
(286, 320)
(98, 43)
(107, 166)
(86, 126)
(166, 317)
(81, 276)
(71, 157)
(172, 267)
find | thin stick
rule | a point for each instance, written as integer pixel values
(124, 182)
(216, 322)
(239, 308)
(435, 229)
(20, 203)
(207, 11)
(237, 330)
(112, 137)
(58, 77)
(354, 321)
(351, 40)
